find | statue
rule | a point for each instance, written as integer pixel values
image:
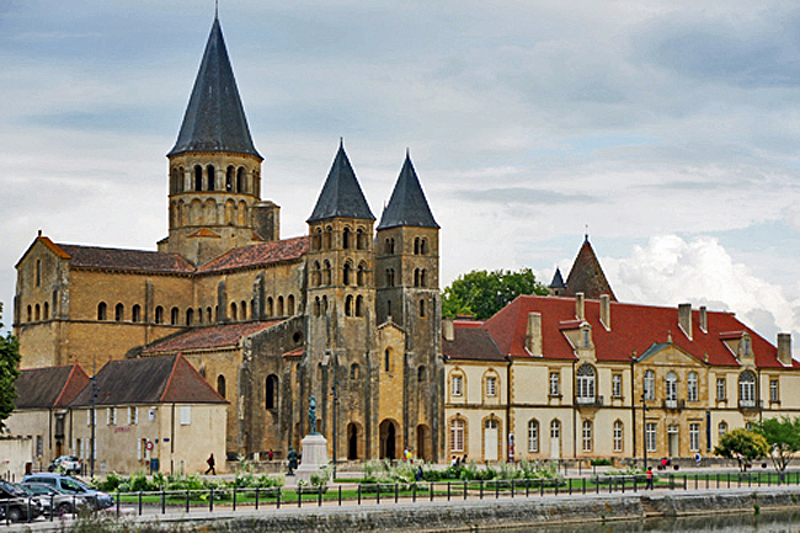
(312, 415)
(292, 457)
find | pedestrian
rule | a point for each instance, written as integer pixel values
(211, 463)
(418, 473)
(464, 460)
(454, 461)
(664, 463)
(740, 459)
(649, 474)
(270, 455)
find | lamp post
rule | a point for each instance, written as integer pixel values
(94, 423)
(335, 395)
(644, 429)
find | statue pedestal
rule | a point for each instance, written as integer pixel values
(315, 456)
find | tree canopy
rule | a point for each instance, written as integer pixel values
(9, 371)
(483, 293)
(749, 444)
(783, 436)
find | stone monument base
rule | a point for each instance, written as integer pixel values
(314, 457)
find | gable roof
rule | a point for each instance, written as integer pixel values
(258, 254)
(341, 194)
(166, 379)
(215, 119)
(634, 327)
(471, 342)
(223, 336)
(407, 205)
(125, 260)
(54, 386)
(587, 275)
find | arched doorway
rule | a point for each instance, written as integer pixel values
(388, 436)
(423, 446)
(353, 437)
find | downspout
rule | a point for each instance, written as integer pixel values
(172, 443)
(633, 406)
(759, 405)
(508, 412)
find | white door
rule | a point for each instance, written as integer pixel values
(555, 439)
(490, 441)
(673, 432)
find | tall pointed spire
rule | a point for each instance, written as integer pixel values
(215, 119)
(407, 205)
(587, 275)
(341, 195)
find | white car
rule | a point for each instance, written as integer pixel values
(67, 463)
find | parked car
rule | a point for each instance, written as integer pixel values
(16, 505)
(68, 464)
(97, 499)
(55, 500)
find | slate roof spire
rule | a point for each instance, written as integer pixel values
(215, 119)
(558, 281)
(341, 195)
(407, 205)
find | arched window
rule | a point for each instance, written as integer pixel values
(234, 314)
(354, 371)
(270, 310)
(243, 310)
(416, 277)
(136, 313)
(216, 313)
(346, 236)
(38, 272)
(348, 305)
(649, 385)
(324, 304)
(387, 360)
(422, 275)
(747, 389)
(390, 277)
(159, 315)
(174, 316)
(533, 436)
(359, 305)
(327, 238)
(388, 247)
(229, 178)
(189, 316)
(240, 181)
(316, 275)
(361, 275)
(416, 246)
(457, 435)
(101, 311)
(691, 386)
(199, 315)
(253, 310)
(326, 272)
(722, 429)
(290, 305)
(316, 241)
(316, 309)
(30, 313)
(38, 311)
(586, 435)
(198, 178)
(422, 308)
(423, 247)
(211, 176)
(46, 311)
(280, 306)
(585, 383)
(388, 308)
(347, 273)
(271, 394)
(361, 239)
(221, 385)
(209, 315)
(618, 435)
(422, 374)
(671, 382)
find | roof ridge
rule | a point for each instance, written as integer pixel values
(169, 379)
(66, 382)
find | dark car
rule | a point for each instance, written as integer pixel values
(58, 500)
(16, 505)
(70, 485)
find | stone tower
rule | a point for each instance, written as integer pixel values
(341, 318)
(215, 170)
(407, 281)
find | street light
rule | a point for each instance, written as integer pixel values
(335, 395)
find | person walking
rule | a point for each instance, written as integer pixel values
(211, 463)
(649, 474)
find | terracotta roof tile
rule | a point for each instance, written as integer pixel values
(127, 260)
(633, 327)
(258, 254)
(226, 335)
(48, 387)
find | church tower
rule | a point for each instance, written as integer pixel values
(340, 329)
(407, 281)
(215, 170)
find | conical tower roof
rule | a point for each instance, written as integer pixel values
(587, 275)
(215, 119)
(558, 281)
(341, 195)
(407, 205)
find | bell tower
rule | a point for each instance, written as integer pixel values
(215, 170)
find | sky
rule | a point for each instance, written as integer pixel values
(666, 129)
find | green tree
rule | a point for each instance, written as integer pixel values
(783, 437)
(749, 444)
(9, 370)
(482, 293)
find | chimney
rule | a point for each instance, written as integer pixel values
(533, 335)
(785, 349)
(579, 306)
(685, 319)
(605, 311)
(703, 319)
(448, 330)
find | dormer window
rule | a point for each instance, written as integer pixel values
(746, 347)
(586, 338)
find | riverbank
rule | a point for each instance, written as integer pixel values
(457, 516)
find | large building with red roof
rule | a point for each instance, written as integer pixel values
(268, 321)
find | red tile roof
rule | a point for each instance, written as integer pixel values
(54, 386)
(633, 327)
(126, 260)
(258, 254)
(166, 379)
(227, 335)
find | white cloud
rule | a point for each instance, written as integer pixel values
(670, 270)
